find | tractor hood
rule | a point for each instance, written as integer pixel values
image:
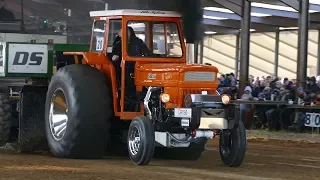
(167, 74)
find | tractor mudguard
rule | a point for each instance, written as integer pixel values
(32, 119)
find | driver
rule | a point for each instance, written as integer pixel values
(136, 47)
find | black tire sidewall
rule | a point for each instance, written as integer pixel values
(146, 148)
(238, 149)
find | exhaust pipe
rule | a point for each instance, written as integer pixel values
(147, 100)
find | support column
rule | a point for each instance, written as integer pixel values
(276, 53)
(196, 52)
(302, 60)
(245, 45)
(236, 73)
(22, 27)
(318, 62)
(201, 52)
(190, 50)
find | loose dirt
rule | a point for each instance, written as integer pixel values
(265, 160)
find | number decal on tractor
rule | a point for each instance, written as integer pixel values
(99, 44)
(182, 112)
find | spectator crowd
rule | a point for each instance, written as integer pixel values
(272, 89)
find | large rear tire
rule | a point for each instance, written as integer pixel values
(78, 112)
(141, 140)
(5, 119)
(233, 145)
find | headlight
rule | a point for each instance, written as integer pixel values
(225, 99)
(165, 97)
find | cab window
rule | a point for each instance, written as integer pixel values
(163, 42)
(98, 34)
(114, 29)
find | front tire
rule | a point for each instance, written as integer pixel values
(233, 145)
(141, 140)
(78, 112)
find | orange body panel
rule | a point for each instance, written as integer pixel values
(171, 77)
(165, 72)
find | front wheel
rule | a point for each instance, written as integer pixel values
(233, 145)
(141, 140)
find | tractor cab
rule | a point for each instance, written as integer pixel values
(127, 33)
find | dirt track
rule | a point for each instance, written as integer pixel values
(265, 160)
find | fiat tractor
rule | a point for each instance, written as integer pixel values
(134, 87)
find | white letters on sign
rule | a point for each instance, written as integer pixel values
(28, 58)
(99, 43)
(312, 120)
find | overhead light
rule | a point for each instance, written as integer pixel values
(218, 9)
(288, 28)
(213, 17)
(251, 30)
(274, 7)
(260, 14)
(210, 32)
(222, 10)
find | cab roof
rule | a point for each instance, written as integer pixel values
(134, 12)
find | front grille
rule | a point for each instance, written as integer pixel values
(196, 91)
(200, 76)
(186, 92)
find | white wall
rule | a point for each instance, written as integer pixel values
(219, 50)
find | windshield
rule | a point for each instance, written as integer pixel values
(153, 39)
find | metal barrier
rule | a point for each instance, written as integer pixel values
(312, 117)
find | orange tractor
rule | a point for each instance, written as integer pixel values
(134, 87)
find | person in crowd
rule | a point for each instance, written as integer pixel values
(233, 91)
(256, 88)
(247, 96)
(273, 82)
(299, 114)
(312, 85)
(318, 80)
(285, 81)
(276, 91)
(222, 79)
(265, 94)
(261, 110)
(5, 14)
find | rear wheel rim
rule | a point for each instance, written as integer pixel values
(58, 118)
(134, 141)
